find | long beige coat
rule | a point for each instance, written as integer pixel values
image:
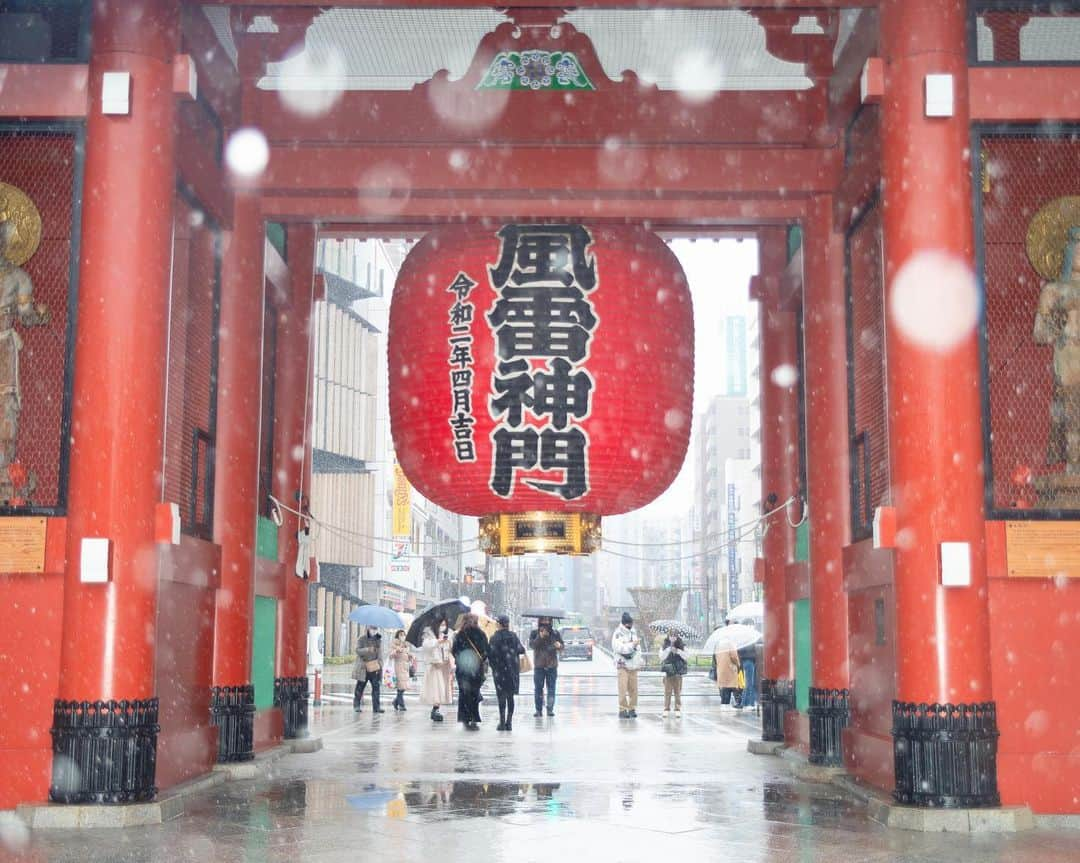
(727, 667)
(435, 690)
(399, 655)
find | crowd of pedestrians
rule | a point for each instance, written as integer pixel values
(467, 656)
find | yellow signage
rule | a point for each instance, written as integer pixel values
(402, 503)
(511, 534)
(1042, 549)
(22, 544)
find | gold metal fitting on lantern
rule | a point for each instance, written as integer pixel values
(509, 534)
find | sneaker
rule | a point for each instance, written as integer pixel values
(666, 714)
(678, 714)
(551, 713)
(624, 714)
(378, 710)
(632, 714)
(539, 713)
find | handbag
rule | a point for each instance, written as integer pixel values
(372, 665)
(524, 663)
(668, 667)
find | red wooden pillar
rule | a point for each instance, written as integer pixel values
(827, 477)
(236, 483)
(109, 640)
(779, 472)
(293, 398)
(935, 430)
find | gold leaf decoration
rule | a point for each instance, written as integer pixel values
(1047, 234)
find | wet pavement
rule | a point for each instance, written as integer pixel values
(580, 785)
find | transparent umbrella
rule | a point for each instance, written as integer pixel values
(737, 635)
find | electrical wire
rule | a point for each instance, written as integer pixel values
(737, 541)
(755, 522)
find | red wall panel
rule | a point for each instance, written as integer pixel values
(1033, 627)
(187, 744)
(29, 671)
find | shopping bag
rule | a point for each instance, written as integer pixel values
(389, 679)
(524, 663)
(741, 680)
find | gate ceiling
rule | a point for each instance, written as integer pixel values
(701, 113)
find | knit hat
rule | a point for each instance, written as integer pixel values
(627, 619)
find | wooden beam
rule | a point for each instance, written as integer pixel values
(566, 173)
(643, 115)
(809, 5)
(1024, 94)
(43, 90)
(686, 212)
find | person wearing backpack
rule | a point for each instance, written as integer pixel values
(673, 662)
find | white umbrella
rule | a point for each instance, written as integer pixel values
(737, 635)
(747, 611)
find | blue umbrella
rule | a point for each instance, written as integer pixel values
(378, 616)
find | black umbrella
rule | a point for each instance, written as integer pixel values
(544, 612)
(446, 609)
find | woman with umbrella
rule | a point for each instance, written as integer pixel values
(504, 652)
(436, 655)
(470, 650)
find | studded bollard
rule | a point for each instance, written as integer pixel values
(945, 754)
(828, 713)
(232, 710)
(104, 751)
(291, 695)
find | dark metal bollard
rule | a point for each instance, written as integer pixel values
(828, 713)
(232, 710)
(104, 751)
(945, 754)
(777, 696)
(291, 695)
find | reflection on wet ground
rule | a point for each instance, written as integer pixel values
(583, 784)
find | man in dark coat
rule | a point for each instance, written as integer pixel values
(503, 653)
(546, 643)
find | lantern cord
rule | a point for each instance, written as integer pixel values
(754, 523)
(805, 513)
(352, 535)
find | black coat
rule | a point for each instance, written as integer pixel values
(468, 662)
(503, 653)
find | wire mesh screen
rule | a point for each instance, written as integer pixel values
(192, 377)
(1012, 33)
(1021, 173)
(868, 413)
(34, 355)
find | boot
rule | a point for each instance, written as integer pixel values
(435, 715)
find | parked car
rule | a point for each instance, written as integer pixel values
(577, 641)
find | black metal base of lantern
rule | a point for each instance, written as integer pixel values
(776, 699)
(946, 754)
(291, 695)
(828, 713)
(104, 751)
(232, 710)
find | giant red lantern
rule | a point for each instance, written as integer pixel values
(541, 375)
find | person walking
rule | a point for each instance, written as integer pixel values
(673, 662)
(470, 650)
(400, 651)
(626, 646)
(368, 669)
(545, 643)
(504, 652)
(748, 660)
(435, 690)
(727, 670)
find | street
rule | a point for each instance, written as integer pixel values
(581, 785)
